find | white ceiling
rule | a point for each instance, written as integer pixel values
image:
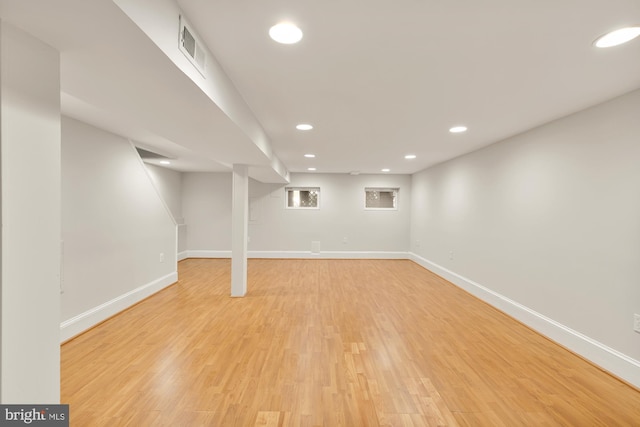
(378, 79)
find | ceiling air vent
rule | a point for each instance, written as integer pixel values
(192, 48)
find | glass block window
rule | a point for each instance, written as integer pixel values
(381, 198)
(303, 198)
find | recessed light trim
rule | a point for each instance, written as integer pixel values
(310, 156)
(304, 126)
(311, 169)
(617, 37)
(458, 129)
(385, 170)
(410, 156)
(285, 33)
(165, 162)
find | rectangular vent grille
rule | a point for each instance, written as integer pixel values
(191, 47)
(188, 42)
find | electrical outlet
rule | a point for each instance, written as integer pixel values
(451, 255)
(161, 256)
(636, 323)
(345, 240)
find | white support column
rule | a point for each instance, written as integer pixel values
(239, 230)
(30, 209)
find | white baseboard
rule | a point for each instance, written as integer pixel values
(207, 254)
(183, 255)
(329, 254)
(299, 254)
(80, 323)
(619, 364)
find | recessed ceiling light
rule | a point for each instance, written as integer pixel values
(385, 170)
(311, 169)
(309, 156)
(458, 129)
(304, 126)
(617, 37)
(410, 156)
(285, 33)
(165, 162)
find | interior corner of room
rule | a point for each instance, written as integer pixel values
(541, 223)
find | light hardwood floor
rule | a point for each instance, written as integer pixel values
(329, 343)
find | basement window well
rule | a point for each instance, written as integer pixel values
(303, 197)
(381, 198)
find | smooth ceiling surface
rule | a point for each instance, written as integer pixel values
(378, 79)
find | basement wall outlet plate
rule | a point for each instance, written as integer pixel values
(636, 323)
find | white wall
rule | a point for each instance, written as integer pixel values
(206, 206)
(114, 226)
(548, 220)
(276, 231)
(341, 216)
(30, 205)
(169, 184)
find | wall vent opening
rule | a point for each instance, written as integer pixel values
(150, 155)
(190, 45)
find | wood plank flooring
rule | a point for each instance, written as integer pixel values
(329, 343)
